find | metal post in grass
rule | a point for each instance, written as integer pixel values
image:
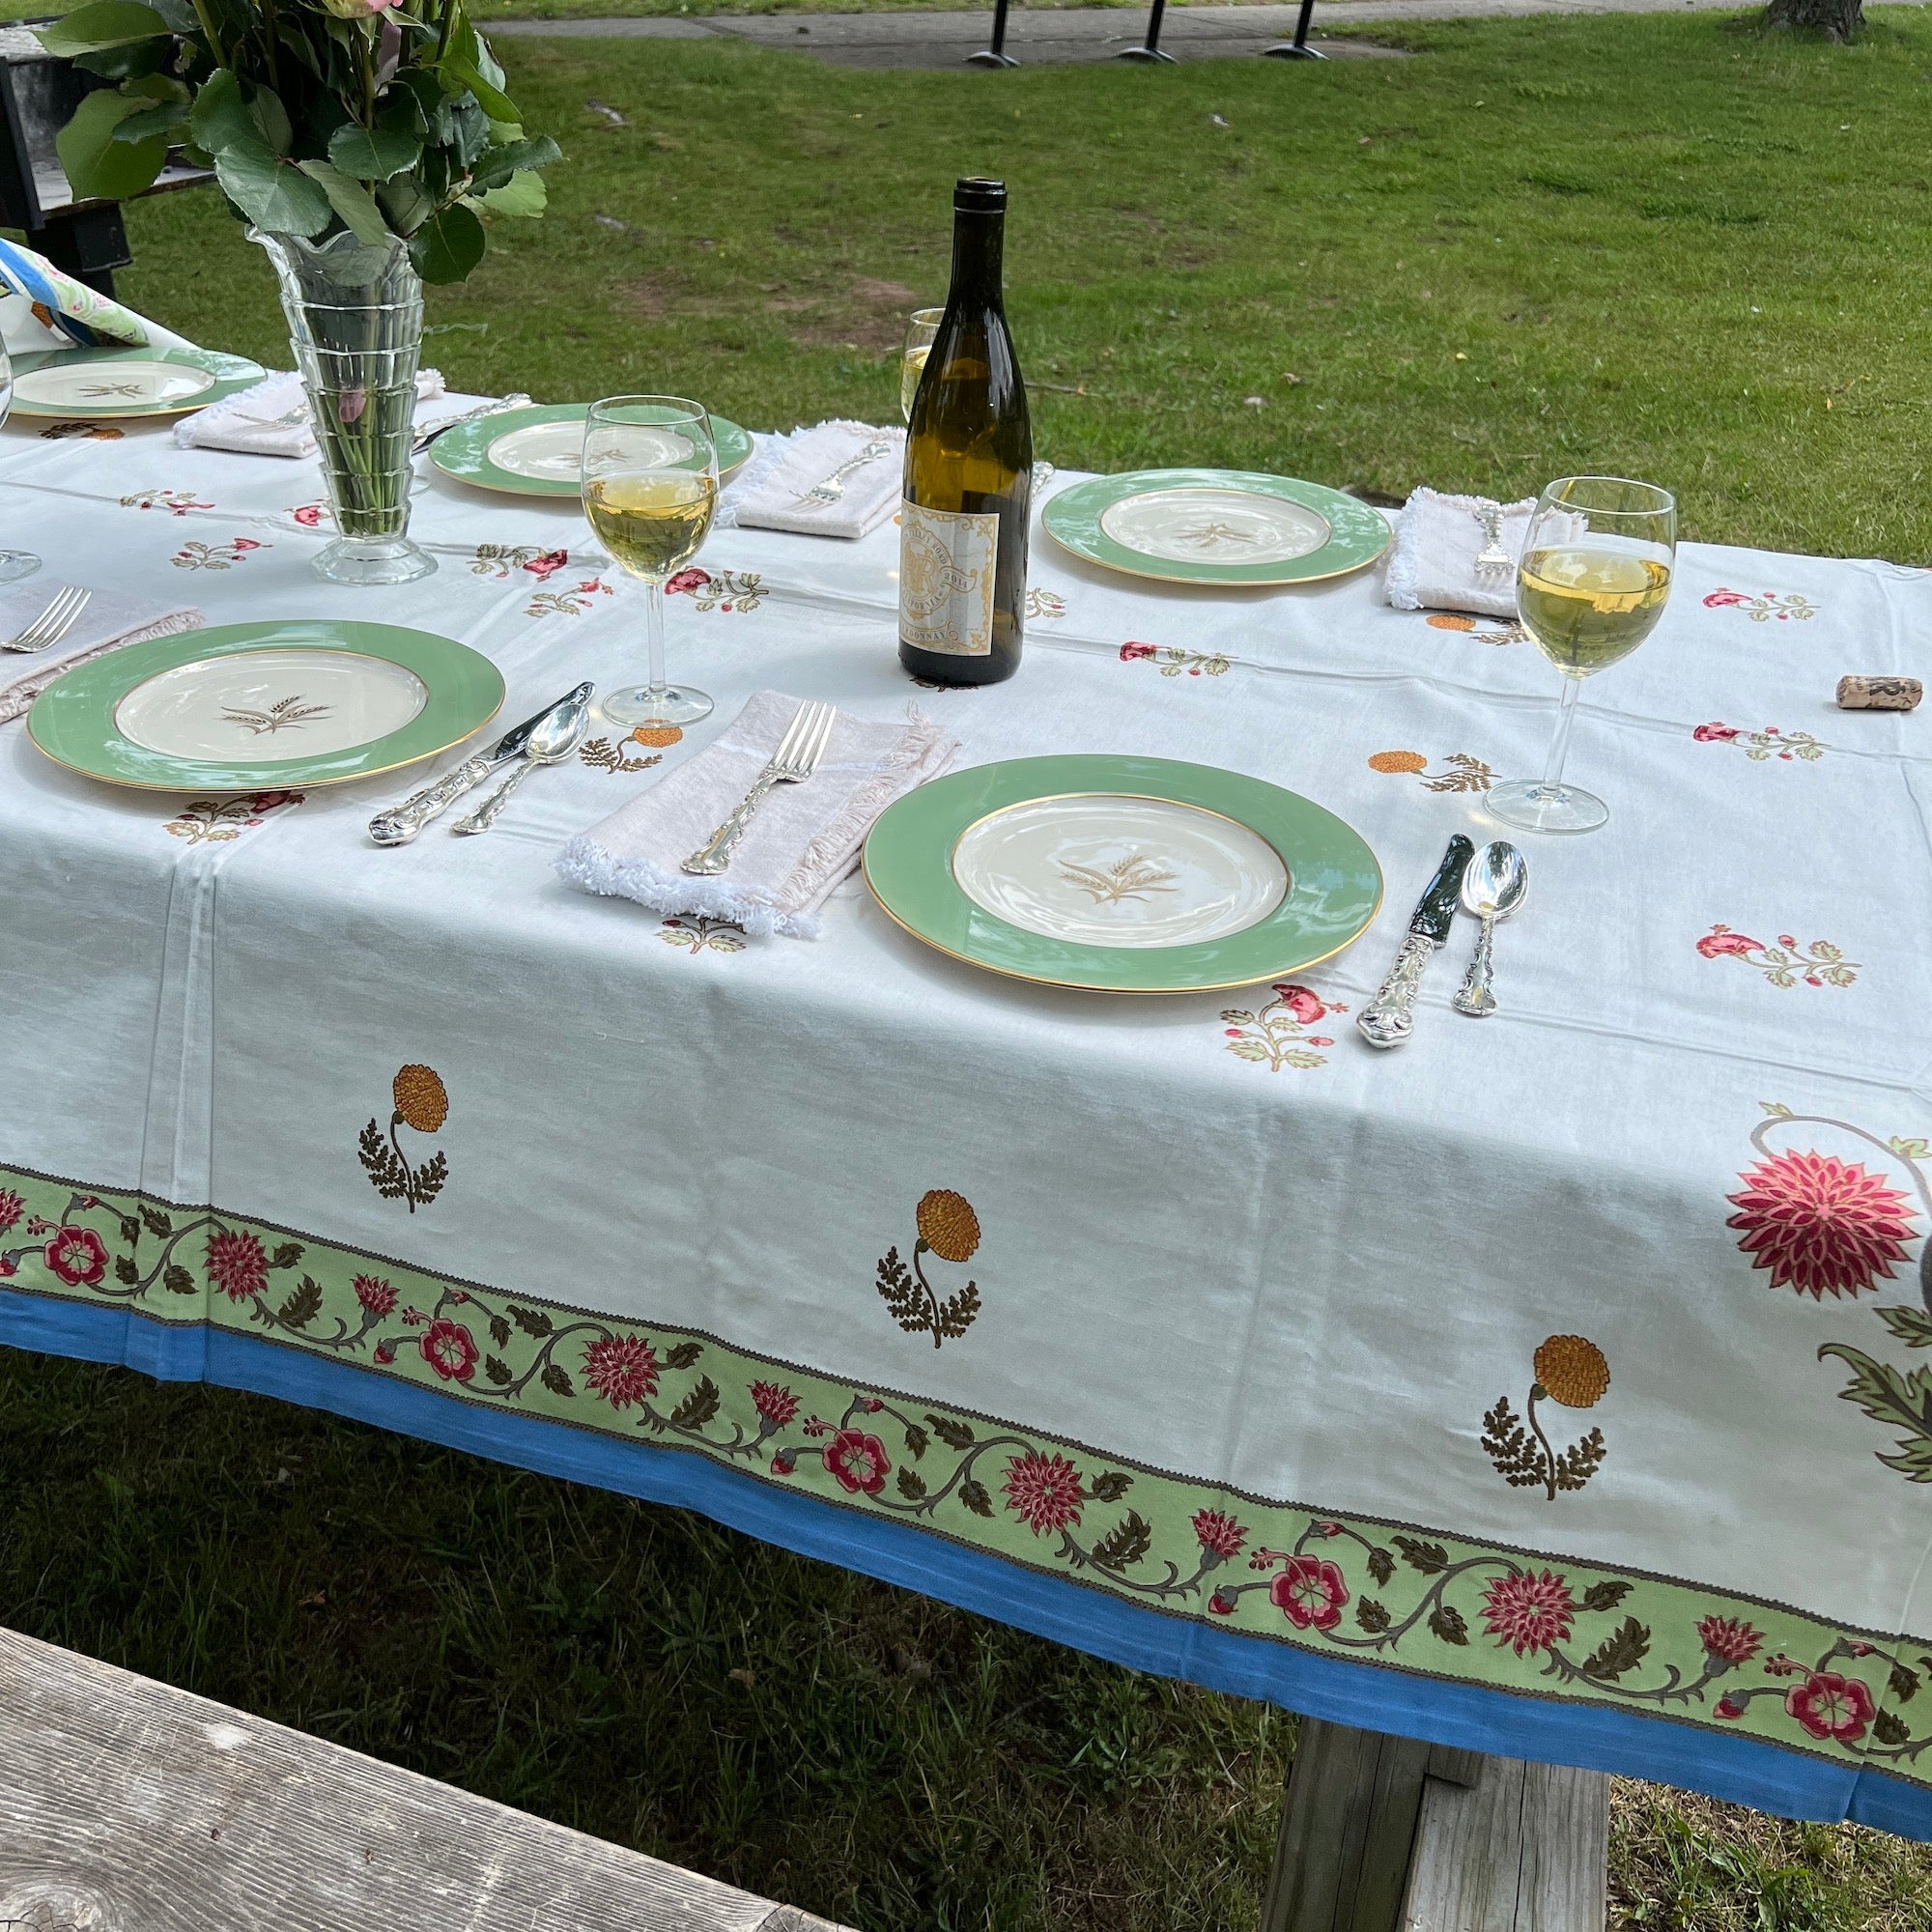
(1298, 48)
(1150, 49)
(995, 55)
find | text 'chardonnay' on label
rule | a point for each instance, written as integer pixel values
(968, 471)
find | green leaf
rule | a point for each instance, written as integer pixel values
(1623, 1650)
(1776, 1109)
(1912, 1325)
(973, 1494)
(1900, 1401)
(1110, 1488)
(165, 118)
(1903, 1685)
(97, 164)
(532, 1320)
(276, 196)
(219, 114)
(522, 200)
(497, 164)
(124, 1270)
(1445, 1621)
(287, 1254)
(467, 66)
(1605, 1596)
(684, 1356)
(558, 1380)
(500, 1332)
(352, 201)
(698, 1406)
(131, 1229)
(447, 246)
(1428, 1557)
(1381, 1565)
(177, 1280)
(498, 1369)
(1910, 1149)
(1372, 1616)
(911, 1485)
(1124, 1545)
(405, 203)
(303, 1304)
(101, 23)
(373, 153)
(916, 1439)
(1889, 1729)
(954, 1434)
(157, 1222)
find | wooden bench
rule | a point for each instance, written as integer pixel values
(127, 1806)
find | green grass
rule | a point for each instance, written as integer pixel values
(1655, 245)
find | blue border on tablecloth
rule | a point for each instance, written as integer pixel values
(1345, 1692)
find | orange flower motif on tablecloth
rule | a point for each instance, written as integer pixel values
(1461, 771)
(421, 1103)
(657, 734)
(1511, 632)
(1569, 1369)
(950, 1229)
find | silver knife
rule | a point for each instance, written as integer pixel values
(1389, 1018)
(423, 437)
(400, 826)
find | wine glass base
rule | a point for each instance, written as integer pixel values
(1532, 806)
(15, 564)
(669, 704)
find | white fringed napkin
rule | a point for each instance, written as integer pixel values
(1433, 561)
(803, 841)
(270, 418)
(108, 622)
(771, 494)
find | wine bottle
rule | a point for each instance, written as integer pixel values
(968, 471)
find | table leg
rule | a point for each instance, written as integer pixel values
(1385, 1834)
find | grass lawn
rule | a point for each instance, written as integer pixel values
(1663, 245)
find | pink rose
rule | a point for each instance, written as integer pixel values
(308, 516)
(1301, 1002)
(548, 564)
(1130, 652)
(687, 583)
(1714, 734)
(1721, 941)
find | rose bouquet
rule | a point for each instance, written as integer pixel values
(368, 144)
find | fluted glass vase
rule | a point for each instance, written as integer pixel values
(355, 316)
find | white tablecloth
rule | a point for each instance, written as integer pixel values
(1252, 1390)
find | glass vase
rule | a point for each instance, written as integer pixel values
(355, 316)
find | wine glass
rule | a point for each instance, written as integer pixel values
(1591, 584)
(650, 490)
(920, 331)
(14, 564)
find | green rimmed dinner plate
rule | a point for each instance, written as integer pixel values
(103, 383)
(251, 707)
(538, 451)
(1217, 526)
(1122, 874)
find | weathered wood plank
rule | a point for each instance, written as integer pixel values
(177, 1815)
(1523, 1851)
(1380, 1834)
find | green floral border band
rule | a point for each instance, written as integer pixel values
(1402, 1598)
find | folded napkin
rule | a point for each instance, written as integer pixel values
(108, 622)
(44, 307)
(1433, 562)
(805, 839)
(771, 496)
(270, 418)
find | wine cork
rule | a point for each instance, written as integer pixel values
(1879, 694)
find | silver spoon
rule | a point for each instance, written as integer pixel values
(1493, 886)
(553, 741)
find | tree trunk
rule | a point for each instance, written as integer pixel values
(1839, 19)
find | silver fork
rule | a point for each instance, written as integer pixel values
(792, 763)
(834, 486)
(53, 623)
(1493, 558)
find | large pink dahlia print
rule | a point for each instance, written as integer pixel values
(1820, 1223)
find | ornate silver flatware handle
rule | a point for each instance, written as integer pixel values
(1476, 995)
(485, 815)
(1389, 1018)
(835, 482)
(717, 853)
(400, 826)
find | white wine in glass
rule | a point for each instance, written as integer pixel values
(1593, 581)
(920, 332)
(650, 491)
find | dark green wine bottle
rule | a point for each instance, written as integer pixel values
(968, 471)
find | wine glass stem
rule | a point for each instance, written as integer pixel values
(1559, 746)
(654, 635)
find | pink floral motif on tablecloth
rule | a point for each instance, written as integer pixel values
(623, 1369)
(451, 1349)
(216, 556)
(571, 602)
(1044, 1491)
(178, 502)
(1820, 1224)
(1277, 1034)
(375, 1293)
(1831, 1705)
(1043, 606)
(12, 1207)
(1786, 964)
(1309, 1592)
(720, 590)
(222, 818)
(1781, 605)
(775, 1403)
(500, 560)
(1172, 661)
(311, 516)
(858, 1461)
(1761, 746)
(1528, 1613)
(1218, 1533)
(1729, 1638)
(78, 1257)
(237, 1263)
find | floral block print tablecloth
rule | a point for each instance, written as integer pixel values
(1555, 1386)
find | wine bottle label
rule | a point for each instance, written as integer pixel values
(946, 579)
